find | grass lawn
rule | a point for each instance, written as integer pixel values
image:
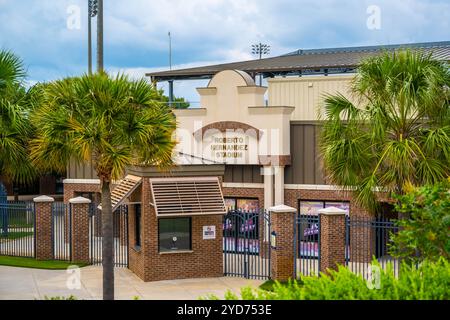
(36, 264)
(268, 285)
(16, 235)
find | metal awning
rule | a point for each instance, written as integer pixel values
(199, 196)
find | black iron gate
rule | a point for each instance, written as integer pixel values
(120, 230)
(369, 238)
(246, 244)
(306, 246)
(61, 233)
(17, 221)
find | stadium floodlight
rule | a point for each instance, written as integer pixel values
(93, 8)
(260, 50)
(92, 13)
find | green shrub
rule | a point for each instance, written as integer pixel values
(425, 232)
(431, 281)
(61, 298)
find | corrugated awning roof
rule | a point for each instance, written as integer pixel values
(335, 60)
(174, 197)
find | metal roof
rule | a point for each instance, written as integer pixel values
(332, 60)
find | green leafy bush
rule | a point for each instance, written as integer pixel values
(69, 298)
(431, 281)
(425, 232)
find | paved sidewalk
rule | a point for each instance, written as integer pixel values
(30, 284)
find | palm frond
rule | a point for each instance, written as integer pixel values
(399, 133)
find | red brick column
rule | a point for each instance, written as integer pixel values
(80, 229)
(282, 255)
(43, 228)
(332, 238)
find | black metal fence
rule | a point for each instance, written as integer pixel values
(61, 233)
(246, 244)
(17, 221)
(306, 246)
(120, 230)
(367, 239)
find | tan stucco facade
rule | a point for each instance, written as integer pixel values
(234, 127)
(233, 97)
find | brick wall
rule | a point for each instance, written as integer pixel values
(205, 260)
(71, 190)
(253, 193)
(292, 196)
(361, 238)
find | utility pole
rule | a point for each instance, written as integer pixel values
(100, 67)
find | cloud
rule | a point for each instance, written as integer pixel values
(206, 31)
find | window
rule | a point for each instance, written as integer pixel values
(308, 228)
(59, 188)
(175, 235)
(137, 225)
(250, 205)
(311, 208)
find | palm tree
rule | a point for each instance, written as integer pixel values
(397, 134)
(114, 121)
(15, 127)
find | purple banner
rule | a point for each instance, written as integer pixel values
(241, 245)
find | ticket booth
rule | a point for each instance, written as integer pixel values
(175, 223)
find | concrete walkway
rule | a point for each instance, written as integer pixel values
(30, 284)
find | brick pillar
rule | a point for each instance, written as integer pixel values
(282, 256)
(332, 238)
(80, 229)
(43, 228)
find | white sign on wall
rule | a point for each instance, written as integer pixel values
(231, 148)
(209, 232)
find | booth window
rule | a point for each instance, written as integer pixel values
(250, 205)
(308, 228)
(137, 225)
(175, 234)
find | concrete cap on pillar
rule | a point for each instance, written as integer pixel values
(282, 209)
(80, 200)
(43, 199)
(333, 211)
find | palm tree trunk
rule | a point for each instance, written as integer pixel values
(107, 247)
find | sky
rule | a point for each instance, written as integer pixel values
(51, 35)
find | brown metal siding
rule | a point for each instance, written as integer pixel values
(243, 174)
(306, 164)
(81, 171)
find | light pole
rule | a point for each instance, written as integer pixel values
(170, 50)
(171, 96)
(260, 50)
(100, 36)
(92, 13)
